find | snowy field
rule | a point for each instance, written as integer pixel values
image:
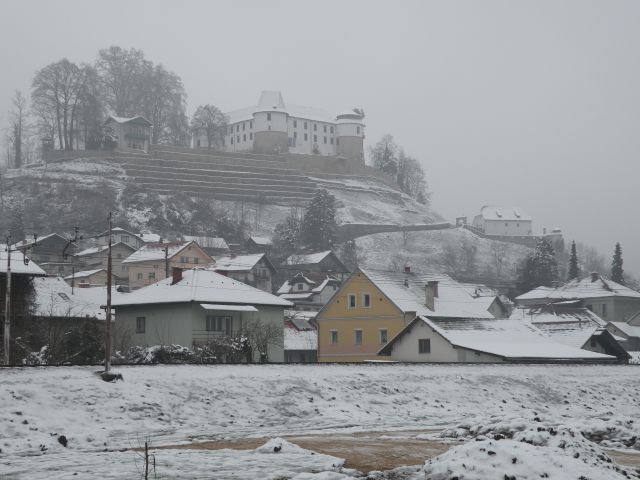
(531, 413)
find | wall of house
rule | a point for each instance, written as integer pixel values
(99, 278)
(503, 227)
(164, 324)
(154, 270)
(337, 315)
(406, 349)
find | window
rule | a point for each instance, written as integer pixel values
(244, 137)
(324, 128)
(424, 345)
(334, 337)
(184, 259)
(315, 127)
(330, 129)
(124, 238)
(124, 268)
(231, 140)
(295, 124)
(300, 286)
(325, 139)
(119, 256)
(366, 300)
(268, 117)
(63, 296)
(358, 130)
(238, 139)
(250, 135)
(315, 139)
(351, 300)
(152, 275)
(140, 276)
(383, 336)
(357, 337)
(251, 124)
(604, 310)
(230, 129)
(196, 260)
(238, 128)
(140, 324)
(219, 324)
(295, 135)
(594, 342)
(306, 137)
(198, 143)
(244, 126)
(305, 125)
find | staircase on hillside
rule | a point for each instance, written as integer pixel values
(235, 177)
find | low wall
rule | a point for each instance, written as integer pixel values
(526, 240)
(349, 231)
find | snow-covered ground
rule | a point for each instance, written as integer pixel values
(178, 404)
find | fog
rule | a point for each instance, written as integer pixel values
(533, 104)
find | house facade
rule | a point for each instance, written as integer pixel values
(52, 253)
(371, 307)
(86, 278)
(310, 291)
(255, 270)
(318, 262)
(212, 245)
(272, 127)
(154, 261)
(96, 258)
(501, 220)
(198, 306)
(129, 133)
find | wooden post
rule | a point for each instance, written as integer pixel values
(107, 347)
(7, 308)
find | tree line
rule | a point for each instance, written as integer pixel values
(69, 103)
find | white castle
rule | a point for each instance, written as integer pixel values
(273, 127)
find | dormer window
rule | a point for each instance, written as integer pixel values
(300, 286)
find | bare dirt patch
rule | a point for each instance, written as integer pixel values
(362, 451)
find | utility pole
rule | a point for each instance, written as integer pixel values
(166, 262)
(7, 307)
(70, 242)
(107, 349)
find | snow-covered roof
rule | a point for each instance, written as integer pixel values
(501, 213)
(317, 280)
(306, 259)
(136, 119)
(272, 98)
(407, 292)
(593, 286)
(238, 263)
(53, 298)
(30, 240)
(630, 330)
(297, 296)
(506, 338)
(84, 273)
(17, 263)
(202, 286)
(295, 339)
(155, 251)
(207, 242)
(265, 241)
(150, 237)
(100, 249)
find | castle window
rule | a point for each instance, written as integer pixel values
(358, 130)
(238, 128)
(295, 134)
(268, 117)
(315, 127)
(244, 126)
(306, 137)
(238, 139)
(244, 137)
(324, 128)
(231, 140)
(295, 124)
(250, 135)
(325, 139)
(315, 139)
(331, 129)
(230, 129)
(251, 124)
(305, 125)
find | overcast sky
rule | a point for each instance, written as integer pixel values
(534, 104)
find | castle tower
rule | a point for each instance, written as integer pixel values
(270, 121)
(350, 135)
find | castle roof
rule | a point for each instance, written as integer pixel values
(272, 100)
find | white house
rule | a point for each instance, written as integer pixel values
(272, 126)
(129, 133)
(255, 269)
(309, 291)
(500, 220)
(481, 340)
(197, 306)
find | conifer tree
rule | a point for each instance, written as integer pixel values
(286, 239)
(574, 270)
(617, 273)
(539, 268)
(319, 222)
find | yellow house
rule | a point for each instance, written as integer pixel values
(372, 307)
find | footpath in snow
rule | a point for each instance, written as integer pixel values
(511, 408)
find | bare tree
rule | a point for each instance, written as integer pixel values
(208, 120)
(411, 178)
(17, 130)
(260, 336)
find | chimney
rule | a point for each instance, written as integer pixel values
(595, 276)
(431, 293)
(176, 275)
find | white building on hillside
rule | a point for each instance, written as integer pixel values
(496, 220)
(272, 126)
